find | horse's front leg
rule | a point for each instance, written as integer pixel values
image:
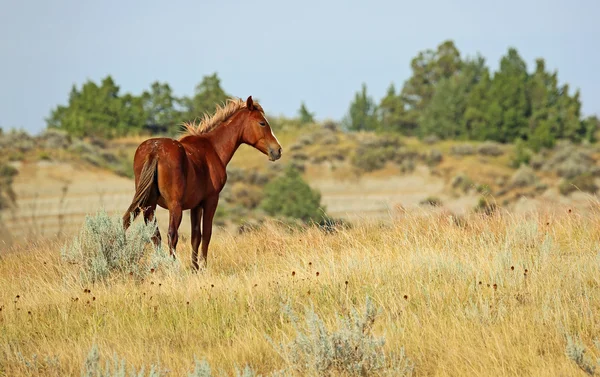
(210, 207)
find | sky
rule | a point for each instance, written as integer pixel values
(280, 52)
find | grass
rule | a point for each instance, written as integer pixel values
(489, 295)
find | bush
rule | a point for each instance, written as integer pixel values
(569, 162)
(490, 148)
(54, 139)
(537, 161)
(486, 207)
(369, 160)
(584, 182)
(434, 157)
(330, 125)
(350, 350)
(290, 196)
(118, 368)
(521, 155)
(462, 182)
(373, 153)
(251, 177)
(523, 177)
(327, 154)
(463, 150)
(575, 350)
(7, 194)
(104, 251)
(432, 201)
(246, 195)
(431, 139)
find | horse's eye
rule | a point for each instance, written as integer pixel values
(262, 124)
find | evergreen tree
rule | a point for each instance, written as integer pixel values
(429, 68)
(99, 111)
(508, 93)
(477, 123)
(543, 95)
(391, 113)
(304, 115)
(362, 113)
(208, 94)
(445, 114)
(160, 107)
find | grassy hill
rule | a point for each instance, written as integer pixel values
(360, 176)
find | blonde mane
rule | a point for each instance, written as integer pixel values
(222, 114)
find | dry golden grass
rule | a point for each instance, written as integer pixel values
(492, 296)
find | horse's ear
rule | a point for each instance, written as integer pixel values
(250, 103)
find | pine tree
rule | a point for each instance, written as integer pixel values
(445, 114)
(305, 115)
(160, 107)
(391, 113)
(508, 94)
(429, 68)
(208, 94)
(362, 113)
(99, 111)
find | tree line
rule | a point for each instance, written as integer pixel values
(101, 111)
(455, 98)
(446, 96)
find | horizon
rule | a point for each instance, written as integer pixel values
(319, 57)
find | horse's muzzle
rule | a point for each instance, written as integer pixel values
(274, 154)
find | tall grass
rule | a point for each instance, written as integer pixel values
(487, 295)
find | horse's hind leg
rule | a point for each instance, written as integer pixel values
(195, 220)
(174, 222)
(148, 217)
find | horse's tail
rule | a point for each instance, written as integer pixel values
(147, 187)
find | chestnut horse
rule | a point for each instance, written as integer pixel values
(190, 173)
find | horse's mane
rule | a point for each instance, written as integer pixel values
(222, 113)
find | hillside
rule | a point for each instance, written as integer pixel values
(360, 176)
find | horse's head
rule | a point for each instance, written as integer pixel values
(257, 132)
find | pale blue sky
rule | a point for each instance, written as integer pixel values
(281, 52)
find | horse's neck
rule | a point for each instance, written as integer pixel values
(226, 140)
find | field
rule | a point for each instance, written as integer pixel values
(476, 295)
(461, 287)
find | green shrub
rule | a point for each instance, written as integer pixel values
(290, 196)
(521, 154)
(103, 250)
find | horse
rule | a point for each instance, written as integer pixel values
(189, 173)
